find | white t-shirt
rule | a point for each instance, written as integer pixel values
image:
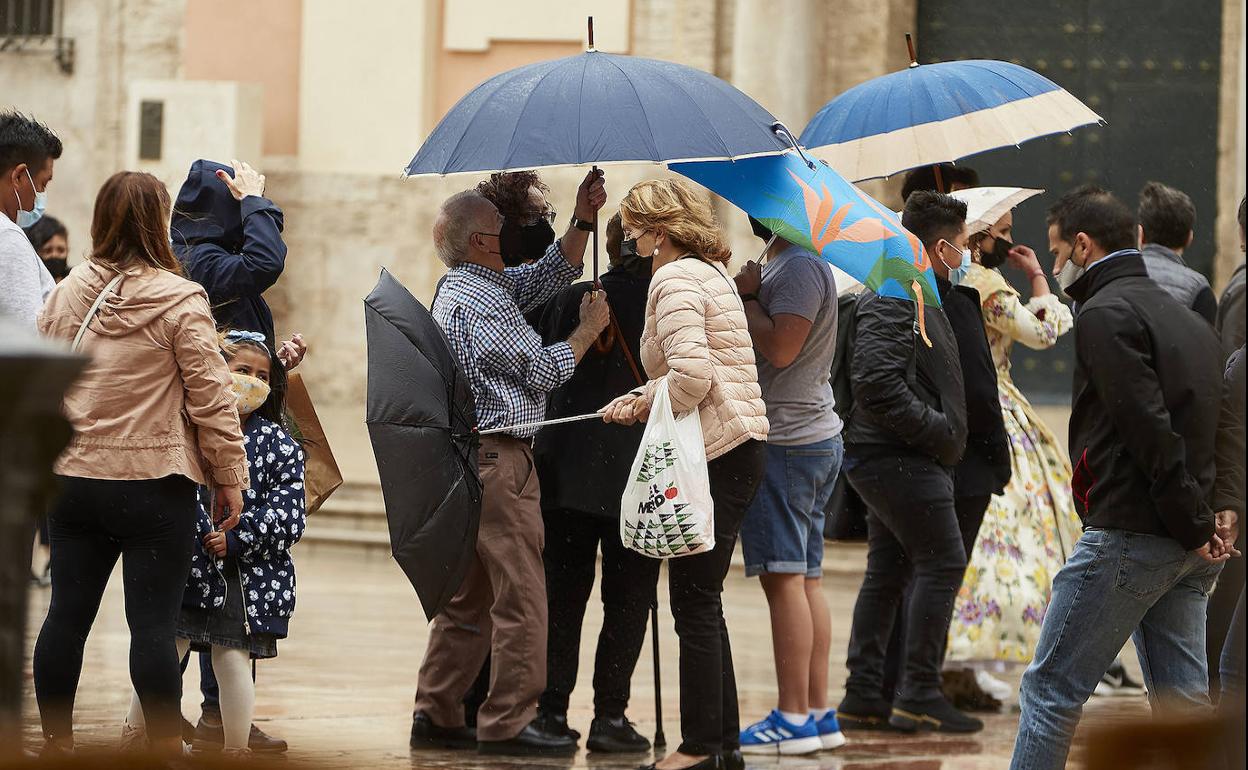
(24, 281)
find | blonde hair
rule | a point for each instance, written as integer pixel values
(671, 207)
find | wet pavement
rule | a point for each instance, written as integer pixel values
(341, 689)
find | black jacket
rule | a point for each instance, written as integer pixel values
(1147, 393)
(985, 468)
(906, 395)
(1228, 485)
(234, 249)
(584, 466)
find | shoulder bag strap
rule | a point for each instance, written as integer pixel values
(95, 307)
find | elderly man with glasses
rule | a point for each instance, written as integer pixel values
(501, 607)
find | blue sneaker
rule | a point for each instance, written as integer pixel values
(776, 735)
(830, 734)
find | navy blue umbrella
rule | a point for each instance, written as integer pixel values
(596, 108)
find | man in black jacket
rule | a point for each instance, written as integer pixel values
(985, 468)
(907, 432)
(1228, 501)
(1147, 392)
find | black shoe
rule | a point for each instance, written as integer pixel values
(961, 689)
(531, 741)
(936, 714)
(856, 713)
(209, 735)
(427, 735)
(615, 735)
(555, 724)
(732, 760)
(188, 731)
(713, 762)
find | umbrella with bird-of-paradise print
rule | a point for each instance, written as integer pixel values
(808, 204)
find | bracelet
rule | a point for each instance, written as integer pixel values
(749, 298)
(1036, 274)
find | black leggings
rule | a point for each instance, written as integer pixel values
(151, 525)
(709, 719)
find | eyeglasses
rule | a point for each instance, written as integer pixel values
(550, 215)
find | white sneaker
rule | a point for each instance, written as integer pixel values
(993, 686)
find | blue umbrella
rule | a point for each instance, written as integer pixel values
(937, 113)
(596, 108)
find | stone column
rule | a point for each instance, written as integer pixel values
(33, 376)
(1230, 144)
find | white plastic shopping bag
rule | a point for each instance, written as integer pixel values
(667, 510)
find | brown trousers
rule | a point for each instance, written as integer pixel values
(499, 610)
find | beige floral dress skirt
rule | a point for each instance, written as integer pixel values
(1031, 528)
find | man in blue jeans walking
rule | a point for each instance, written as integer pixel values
(790, 303)
(1147, 393)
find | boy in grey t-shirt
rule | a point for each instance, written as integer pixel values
(790, 303)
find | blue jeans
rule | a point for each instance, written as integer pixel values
(783, 528)
(1116, 585)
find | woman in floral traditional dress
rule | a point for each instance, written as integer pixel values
(1029, 529)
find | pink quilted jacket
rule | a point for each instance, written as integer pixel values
(697, 339)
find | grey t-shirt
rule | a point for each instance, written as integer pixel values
(799, 397)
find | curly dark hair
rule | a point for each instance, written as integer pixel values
(509, 192)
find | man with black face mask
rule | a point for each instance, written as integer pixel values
(528, 218)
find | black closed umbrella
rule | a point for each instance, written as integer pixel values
(421, 421)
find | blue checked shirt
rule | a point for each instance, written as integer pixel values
(481, 312)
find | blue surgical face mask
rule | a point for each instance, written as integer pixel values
(958, 274)
(28, 218)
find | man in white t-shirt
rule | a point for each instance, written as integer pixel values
(27, 151)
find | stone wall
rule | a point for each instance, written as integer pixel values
(114, 41)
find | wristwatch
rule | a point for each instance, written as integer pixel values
(582, 224)
(748, 297)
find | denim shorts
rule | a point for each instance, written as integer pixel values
(783, 528)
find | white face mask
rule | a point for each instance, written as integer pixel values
(27, 218)
(1069, 273)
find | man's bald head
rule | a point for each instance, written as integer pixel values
(459, 217)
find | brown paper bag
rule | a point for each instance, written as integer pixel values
(321, 474)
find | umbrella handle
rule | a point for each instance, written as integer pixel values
(595, 170)
(782, 131)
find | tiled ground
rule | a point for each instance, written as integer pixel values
(341, 690)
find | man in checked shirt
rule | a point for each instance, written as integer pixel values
(501, 607)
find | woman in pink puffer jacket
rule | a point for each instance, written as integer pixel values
(696, 338)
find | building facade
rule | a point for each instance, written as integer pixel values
(331, 100)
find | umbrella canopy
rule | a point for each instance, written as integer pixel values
(985, 205)
(595, 108)
(421, 421)
(938, 113)
(811, 205)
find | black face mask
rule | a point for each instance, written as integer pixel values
(525, 243)
(632, 261)
(57, 266)
(995, 258)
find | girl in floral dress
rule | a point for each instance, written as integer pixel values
(241, 590)
(1029, 529)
